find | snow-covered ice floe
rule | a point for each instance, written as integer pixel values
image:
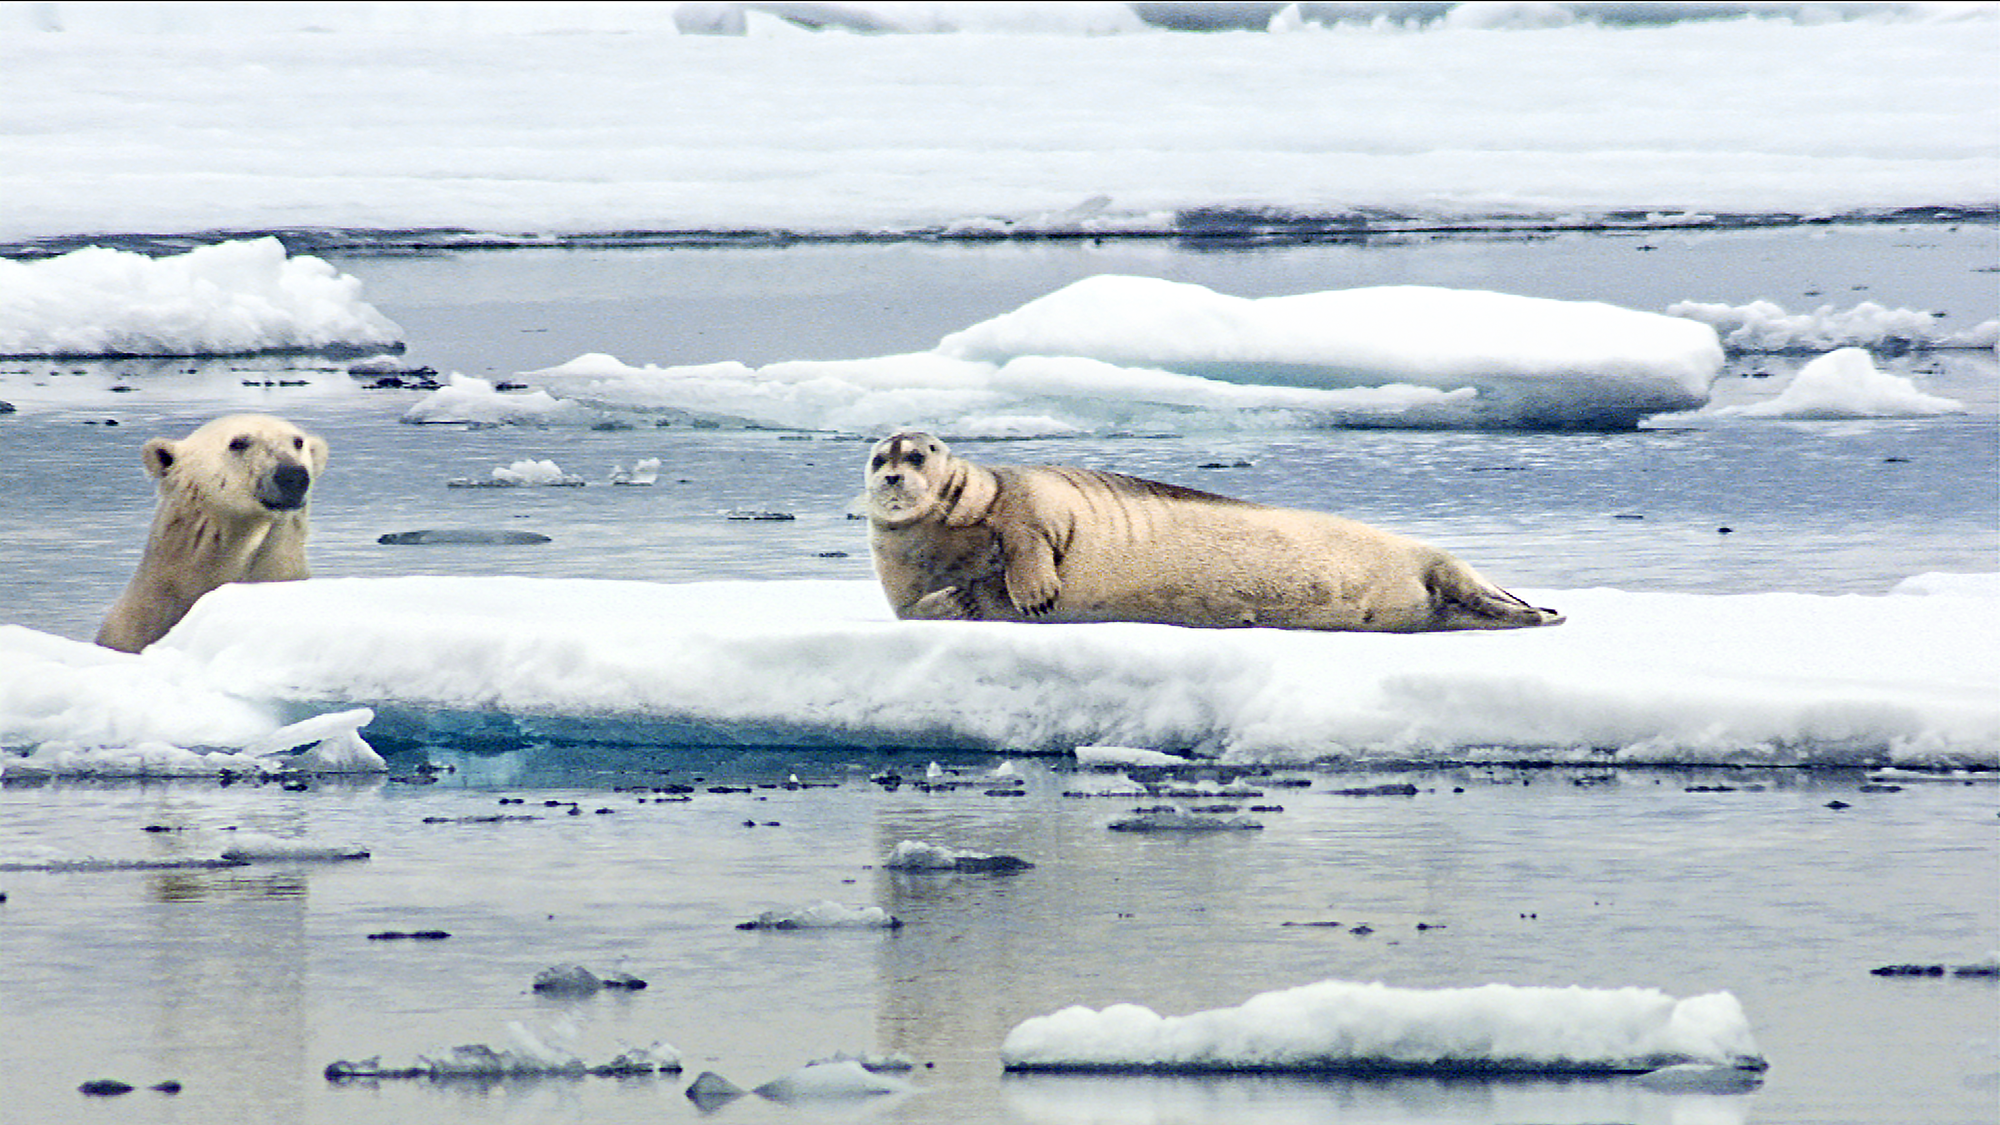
(1111, 353)
(1344, 1027)
(232, 298)
(1635, 678)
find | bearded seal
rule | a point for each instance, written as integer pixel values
(953, 540)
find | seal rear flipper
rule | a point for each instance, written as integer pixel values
(1464, 600)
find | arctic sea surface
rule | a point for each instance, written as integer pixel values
(1683, 326)
(542, 844)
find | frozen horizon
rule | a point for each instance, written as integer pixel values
(415, 123)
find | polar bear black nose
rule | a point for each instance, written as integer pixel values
(288, 485)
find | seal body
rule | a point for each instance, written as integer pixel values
(956, 540)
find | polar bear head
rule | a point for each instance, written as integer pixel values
(245, 465)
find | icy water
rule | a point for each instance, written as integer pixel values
(244, 984)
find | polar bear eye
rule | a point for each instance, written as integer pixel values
(238, 444)
(298, 443)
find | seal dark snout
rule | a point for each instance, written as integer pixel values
(286, 488)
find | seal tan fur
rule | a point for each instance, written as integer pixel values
(956, 540)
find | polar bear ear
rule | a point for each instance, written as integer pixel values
(970, 492)
(158, 457)
(316, 451)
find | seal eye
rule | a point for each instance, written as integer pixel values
(916, 460)
(238, 444)
(878, 462)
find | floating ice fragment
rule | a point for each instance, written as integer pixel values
(575, 980)
(710, 1091)
(1178, 820)
(895, 1061)
(523, 472)
(844, 1079)
(1845, 384)
(1701, 1078)
(1765, 326)
(1345, 1027)
(329, 743)
(469, 399)
(824, 915)
(641, 473)
(256, 847)
(914, 855)
(462, 537)
(567, 980)
(1125, 756)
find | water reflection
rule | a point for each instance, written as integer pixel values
(1276, 1100)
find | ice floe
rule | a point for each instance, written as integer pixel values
(237, 297)
(1343, 1027)
(1111, 353)
(1633, 678)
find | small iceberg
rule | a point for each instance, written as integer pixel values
(1845, 384)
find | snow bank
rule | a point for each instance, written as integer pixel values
(1339, 1026)
(227, 299)
(1788, 679)
(1115, 353)
(1845, 384)
(1765, 326)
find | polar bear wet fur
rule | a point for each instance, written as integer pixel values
(235, 499)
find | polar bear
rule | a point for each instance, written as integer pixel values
(234, 499)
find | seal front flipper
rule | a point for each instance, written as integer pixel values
(953, 603)
(1032, 584)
